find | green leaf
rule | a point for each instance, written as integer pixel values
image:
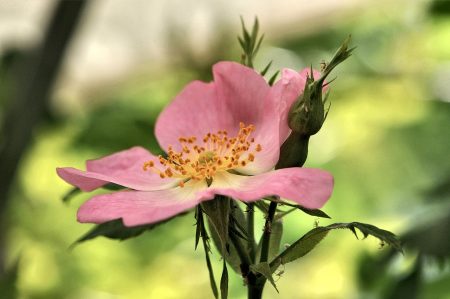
(300, 248)
(309, 241)
(199, 225)
(205, 238)
(218, 211)
(258, 45)
(369, 229)
(245, 33)
(69, 195)
(241, 42)
(264, 269)
(254, 35)
(224, 282)
(115, 229)
(250, 43)
(312, 212)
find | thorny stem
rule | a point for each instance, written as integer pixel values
(267, 232)
(255, 291)
(251, 231)
(255, 285)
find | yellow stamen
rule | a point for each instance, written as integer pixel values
(201, 161)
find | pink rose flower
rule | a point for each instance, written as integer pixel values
(221, 137)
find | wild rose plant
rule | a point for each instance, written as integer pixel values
(238, 141)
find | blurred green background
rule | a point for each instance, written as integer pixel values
(386, 141)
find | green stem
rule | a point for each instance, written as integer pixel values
(255, 291)
(251, 231)
(256, 286)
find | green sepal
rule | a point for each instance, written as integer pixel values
(115, 229)
(264, 269)
(273, 78)
(224, 282)
(71, 194)
(293, 151)
(266, 69)
(309, 241)
(201, 229)
(218, 211)
(238, 220)
(307, 114)
(76, 191)
(341, 54)
(231, 256)
(113, 187)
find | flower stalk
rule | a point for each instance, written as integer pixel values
(251, 231)
(267, 232)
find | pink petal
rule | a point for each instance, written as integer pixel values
(308, 187)
(286, 91)
(246, 96)
(123, 168)
(193, 112)
(140, 207)
(238, 94)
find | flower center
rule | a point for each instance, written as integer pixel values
(201, 161)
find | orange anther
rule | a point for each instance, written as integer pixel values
(200, 161)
